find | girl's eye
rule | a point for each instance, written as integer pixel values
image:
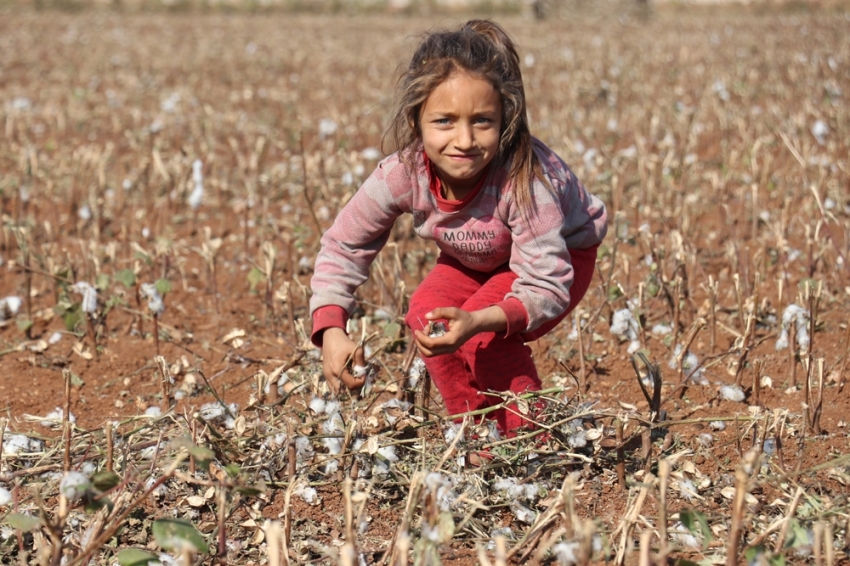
(483, 120)
(441, 121)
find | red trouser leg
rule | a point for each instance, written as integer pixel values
(488, 361)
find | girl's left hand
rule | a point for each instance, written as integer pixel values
(460, 328)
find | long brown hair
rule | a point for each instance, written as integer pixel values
(481, 48)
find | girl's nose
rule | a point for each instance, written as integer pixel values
(464, 136)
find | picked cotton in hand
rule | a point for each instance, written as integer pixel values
(437, 329)
(800, 317)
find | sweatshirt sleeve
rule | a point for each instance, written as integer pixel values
(359, 232)
(565, 217)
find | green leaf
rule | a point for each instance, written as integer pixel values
(255, 277)
(251, 490)
(144, 257)
(76, 380)
(24, 324)
(232, 470)
(176, 535)
(127, 277)
(798, 536)
(163, 286)
(200, 453)
(392, 330)
(93, 504)
(136, 557)
(697, 523)
(101, 282)
(73, 317)
(105, 480)
(21, 522)
(614, 293)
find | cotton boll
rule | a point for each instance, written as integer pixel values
(308, 494)
(347, 178)
(683, 536)
(371, 153)
(416, 372)
(5, 496)
(662, 329)
(303, 449)
(153, 412)
(327, 128)
(211, 411)
(567, 553)
(717, 425)
(800, 318)
(443, 489)
(437, 329)
(317, 405)
(820, 130)
(687, 489)
(522, 513)
(84, 213)
(623, 323)
(74, 485)
(9, 307)
(732, 393)
(577, 440)
(89, 293)
(197, 195)
(155, 303)
(505, 532)
(54, 338)
(705, 439)
(384, 459)
(20, 444)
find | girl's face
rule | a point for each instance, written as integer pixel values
(461, 121)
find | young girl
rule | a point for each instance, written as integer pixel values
(516, 230)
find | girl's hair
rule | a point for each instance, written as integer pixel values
(481, 48)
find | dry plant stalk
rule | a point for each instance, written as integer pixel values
(110, 448)
(741, 478)
(627, 524)
(663, 479)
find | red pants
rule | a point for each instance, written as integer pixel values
(488, 361)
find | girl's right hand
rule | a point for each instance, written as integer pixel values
(337, 350)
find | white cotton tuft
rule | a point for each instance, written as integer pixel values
(690, 366)
(662, 329)
(5, 496)
(54, 418)
(21, 444)
(623, 323)
(567, 553)
(371, 153)
(443, 489)
(74, 485)
(416, 372)
(84, 213)
(89, 293)
(820, 130)
(308, 494)
(9, 307)
(317, 405)
(687, 489)
(384, 459)
(155, 303)
(154, 412)
(197, 195)
(717, 425)
(800, 318)
(732, 393)
(327, 128)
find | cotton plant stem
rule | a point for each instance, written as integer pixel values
(741, 478)
(621, 455)
(110, 446)
(663, 479)
(582, 370)
(626, 526)
(66, 422)
(789, 513)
